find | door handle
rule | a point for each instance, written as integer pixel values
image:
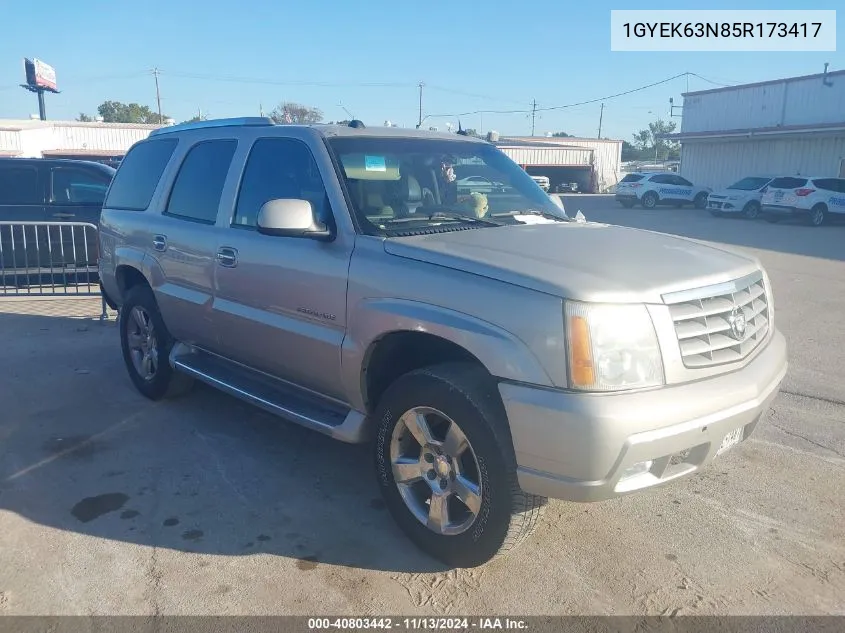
(227, 257)
(160, 243)
(64, 215)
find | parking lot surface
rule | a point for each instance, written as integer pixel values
(110, 503)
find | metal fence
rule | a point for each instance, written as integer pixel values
(41, 259)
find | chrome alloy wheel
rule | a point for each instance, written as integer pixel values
(436, 471)
(141, 338)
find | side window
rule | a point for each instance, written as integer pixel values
(76, 186)
(140, 170)
(279, 168)
(681, 181)
(828, 184)
(19, 185)
(660, 179)
(196, 192)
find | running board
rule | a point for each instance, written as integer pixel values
(274, 396)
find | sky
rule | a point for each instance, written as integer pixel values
(237, 58)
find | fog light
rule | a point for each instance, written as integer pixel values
(636, 469)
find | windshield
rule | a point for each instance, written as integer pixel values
(750, 184)
(399, 186)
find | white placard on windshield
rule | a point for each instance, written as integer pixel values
(375, 163)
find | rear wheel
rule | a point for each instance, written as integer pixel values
(649, 200)
(446, 467)
(700, 200)
(626, 203)
(773, 219)
(817, 215)
(752, 210)
(146, 346)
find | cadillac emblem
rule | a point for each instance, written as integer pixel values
(737, 322)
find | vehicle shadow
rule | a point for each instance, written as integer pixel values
(205, 473)
(786, 236)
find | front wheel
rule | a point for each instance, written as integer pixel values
(752, 210)
(772, 219)
(700, 200)
(649, 200)
(627, 204)
(146, 346)
(446, 467)
(817, 215)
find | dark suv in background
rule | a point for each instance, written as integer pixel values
(55, 191)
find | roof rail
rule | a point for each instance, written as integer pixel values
(212, 123)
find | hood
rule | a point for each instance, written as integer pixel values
(584, 261)
(739, 194)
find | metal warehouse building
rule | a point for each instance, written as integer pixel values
(595, 164)
(69, 139)
(783, 127)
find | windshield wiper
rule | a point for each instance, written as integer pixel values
(540, 212)
(448, 214)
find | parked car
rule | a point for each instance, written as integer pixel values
(742, 197)
(479, 184)
(651, 189)
(542, 181)
(813, 199)
(566, 187)
(55, 191)
(491, 362)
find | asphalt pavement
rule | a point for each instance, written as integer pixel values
(111, 504)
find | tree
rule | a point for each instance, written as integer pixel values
(561, 134)
(290, 112)
(84, 118)
(650, 144)
(117, 112)
(196, 118)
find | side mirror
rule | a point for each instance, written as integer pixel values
(288, 217)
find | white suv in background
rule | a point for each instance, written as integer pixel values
(814, 199)
(652, 189)
(742, 197)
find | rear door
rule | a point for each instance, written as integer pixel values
(184, 241)
(75, 195)
(22, 192)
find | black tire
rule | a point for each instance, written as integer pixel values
(772, 219)
(165, 381)
(817, 215)
(751, 210)
(626, 204)
(649, 200)
(715, 214)
(507, 515)
(700, 201)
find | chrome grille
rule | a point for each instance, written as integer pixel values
(703, 320)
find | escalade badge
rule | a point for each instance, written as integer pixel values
(737, 322)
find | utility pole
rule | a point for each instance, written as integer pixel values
(533, 115)
(601, 116)
(419, 124)
(260, 110)
(158, 96)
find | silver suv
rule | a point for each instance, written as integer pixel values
(494, 351)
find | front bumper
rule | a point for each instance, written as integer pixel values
(579, 447)
(723, 206)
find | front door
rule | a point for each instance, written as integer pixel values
(280, 303)
(22, 247)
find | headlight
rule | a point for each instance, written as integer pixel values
(611, 347)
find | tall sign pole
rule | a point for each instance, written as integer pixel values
(40, 78)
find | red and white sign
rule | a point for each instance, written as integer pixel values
(39, 74)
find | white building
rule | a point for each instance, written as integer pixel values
(783, 127)
(69, 139)
(595, 164)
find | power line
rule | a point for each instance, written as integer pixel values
(568, 105)
(710, 81)
(255, 80)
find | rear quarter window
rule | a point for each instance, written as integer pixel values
(788, 182)
(828, 184)
(138, 175)
(632, 178)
